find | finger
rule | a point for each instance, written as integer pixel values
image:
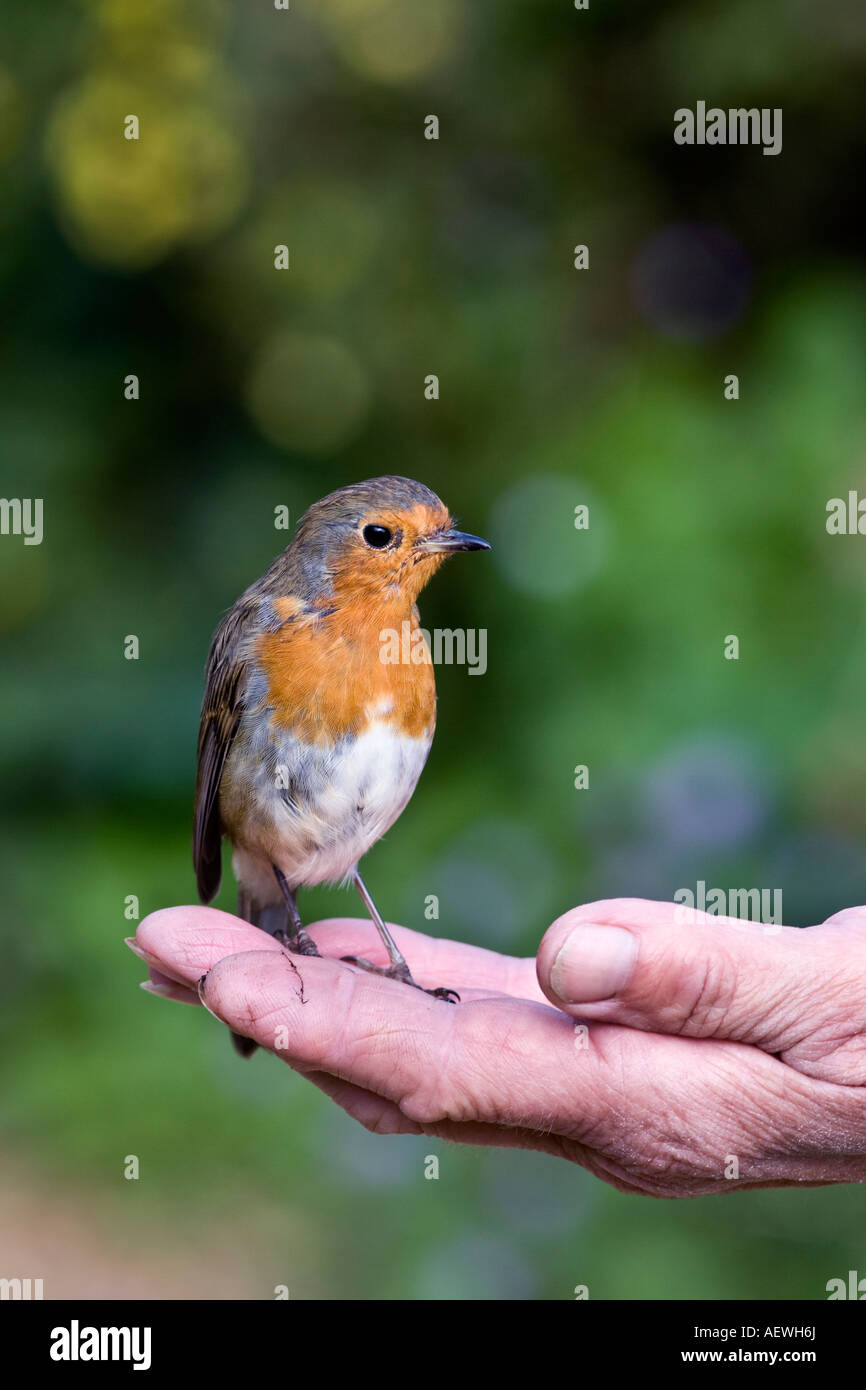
(491, 1060)
(210, 939)
(185, 942)
(660, 967)
(433, 960)
(852, 917)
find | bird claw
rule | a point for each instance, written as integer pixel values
(300, 945)
(449, 995)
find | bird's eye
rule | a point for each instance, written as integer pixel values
(376, 536)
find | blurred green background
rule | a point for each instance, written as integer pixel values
(558, 387)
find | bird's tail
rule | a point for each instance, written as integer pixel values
(272, 918)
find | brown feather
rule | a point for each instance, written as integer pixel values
(220, 716)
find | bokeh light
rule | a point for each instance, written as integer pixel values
(536, 543)
(393, 40)
(307, 392)
(691, 282)
(711, 793)
(127, 203)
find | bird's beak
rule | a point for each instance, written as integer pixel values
(447, 542)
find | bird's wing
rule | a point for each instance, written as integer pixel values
(221, 712)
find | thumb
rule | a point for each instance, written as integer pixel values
(668, 969)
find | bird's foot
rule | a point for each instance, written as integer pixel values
(401, 972)
(301, 944)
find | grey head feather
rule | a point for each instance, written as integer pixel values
(303, 568)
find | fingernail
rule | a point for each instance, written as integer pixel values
(133, 945)
(594, 963)
(200, 988)
(166, 991)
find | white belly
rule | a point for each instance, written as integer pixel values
(323, 807)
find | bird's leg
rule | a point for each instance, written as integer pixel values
(398, 969)
(300, 941)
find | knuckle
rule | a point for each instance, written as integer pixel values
(709, 998)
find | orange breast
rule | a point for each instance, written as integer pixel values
(326, 677)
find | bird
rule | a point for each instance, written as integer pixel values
(310, 744)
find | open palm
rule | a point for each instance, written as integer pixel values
(649, 1111)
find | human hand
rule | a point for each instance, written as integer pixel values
(728, 1055)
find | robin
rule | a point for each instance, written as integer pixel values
(310, 744)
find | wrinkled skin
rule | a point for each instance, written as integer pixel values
(728, 1055)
